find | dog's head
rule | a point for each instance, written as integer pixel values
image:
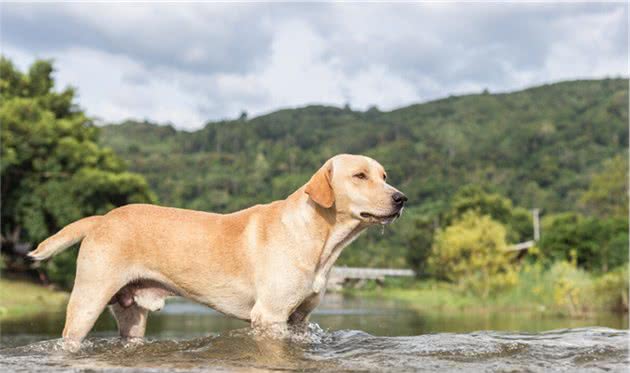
(356, 185)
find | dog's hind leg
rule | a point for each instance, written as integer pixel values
(132, 320)
(87, 302)
(95, 284)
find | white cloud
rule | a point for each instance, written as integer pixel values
(191, 63)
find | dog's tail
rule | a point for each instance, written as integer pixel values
(68, 236)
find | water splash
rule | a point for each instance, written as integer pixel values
(312, 348)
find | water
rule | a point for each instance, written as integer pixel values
(348, 334)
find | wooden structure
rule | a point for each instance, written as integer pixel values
(342, 275)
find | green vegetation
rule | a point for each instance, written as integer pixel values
(561, 290)
(472, 167)
(598, 243)
(23, 299)
(607, 194)
(471, 253)
(53, 169)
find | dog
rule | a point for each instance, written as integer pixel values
(267, 264)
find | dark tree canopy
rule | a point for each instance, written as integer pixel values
(54, 171)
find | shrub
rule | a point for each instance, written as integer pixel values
(572, 287)
(612, 289)
(471, 253)
(599, 243)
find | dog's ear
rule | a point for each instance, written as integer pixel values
(319, 187)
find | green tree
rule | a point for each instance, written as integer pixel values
(599, 244)
(472, 253)
(53, 170)
(607, 194)
(416, 235)
(517, 220)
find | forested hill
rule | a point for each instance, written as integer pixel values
(538, 147)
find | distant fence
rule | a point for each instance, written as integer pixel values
(521, 246)
(341, 275)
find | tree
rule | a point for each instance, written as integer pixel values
(53, 170)
(607, 194)
(472, 198)
(471, 253)
(599, 244)
(416, 235)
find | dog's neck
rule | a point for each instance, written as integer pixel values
(341, 235)
(337, 231)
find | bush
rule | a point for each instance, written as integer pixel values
(517, 220)
(62, 268)
(471, 253)
(599, 243)
(612, 289)
(572, 287)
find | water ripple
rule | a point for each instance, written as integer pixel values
(584, 349)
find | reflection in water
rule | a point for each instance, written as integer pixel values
(375, 316)
(187, 336)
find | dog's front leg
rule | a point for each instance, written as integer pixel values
(270, 320)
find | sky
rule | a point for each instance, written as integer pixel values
(187, 64)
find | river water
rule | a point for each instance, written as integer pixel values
(347, 334)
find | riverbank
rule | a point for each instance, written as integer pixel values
(20, 299)
(561, 291)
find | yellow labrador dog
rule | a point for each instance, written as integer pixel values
(267, 264)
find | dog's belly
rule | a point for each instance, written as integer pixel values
(151, 294)
(232, 304)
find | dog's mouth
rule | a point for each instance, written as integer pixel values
(382, 219)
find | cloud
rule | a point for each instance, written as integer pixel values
(193, 37)
(191, 63)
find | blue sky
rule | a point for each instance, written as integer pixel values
(190, 63)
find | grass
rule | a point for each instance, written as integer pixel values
(434, 296)
(20, 299)
(438, 297)
(561, 290)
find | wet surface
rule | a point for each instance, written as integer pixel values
(595, 349)
(357, 335)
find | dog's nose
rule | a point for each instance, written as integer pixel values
(399, 198)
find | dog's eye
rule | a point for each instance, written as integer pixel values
(384, 177)
(360, 175)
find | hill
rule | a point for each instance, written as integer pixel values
(539, 147)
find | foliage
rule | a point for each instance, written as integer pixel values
(612, 289)
(559, 290)
(598, 243)
(517, 220)
(572, 287)
(417, 232)
(607, 194)
(53, 169)
(471, 252)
